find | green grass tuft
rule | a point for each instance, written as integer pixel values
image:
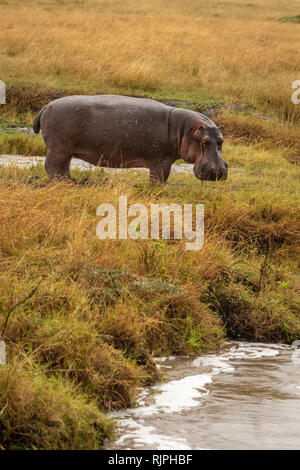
(290, 19)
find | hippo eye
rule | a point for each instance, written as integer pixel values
(206, 140)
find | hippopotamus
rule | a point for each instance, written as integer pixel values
(123, 132)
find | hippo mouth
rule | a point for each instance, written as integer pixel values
(211, 173)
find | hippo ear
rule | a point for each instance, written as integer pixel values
(198, 130)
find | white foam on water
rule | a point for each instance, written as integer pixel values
(218, 364)
(253, 353)
(183, 394)
(169, 358)
(178, 395)
(147, 437)
(172, 397)
(259, 346)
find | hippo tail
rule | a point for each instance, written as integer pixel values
(36, 124)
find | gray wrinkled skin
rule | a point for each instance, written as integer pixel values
(123, 132)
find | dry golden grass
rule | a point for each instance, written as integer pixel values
(186, 49)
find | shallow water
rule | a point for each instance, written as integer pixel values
(247, 397)
(26, 162)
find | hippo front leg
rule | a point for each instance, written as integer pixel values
(159, 172)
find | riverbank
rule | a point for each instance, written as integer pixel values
(82, 318)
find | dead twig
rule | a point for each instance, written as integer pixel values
(8, 314)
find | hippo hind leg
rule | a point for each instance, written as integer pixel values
(159, 172)
(57, 164)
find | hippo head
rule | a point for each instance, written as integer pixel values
(202, 145)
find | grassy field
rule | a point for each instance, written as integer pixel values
(82, 318)
(186, 49)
